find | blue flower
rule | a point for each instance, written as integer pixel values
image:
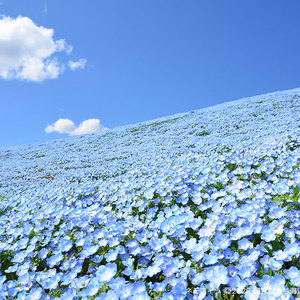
(55, 259)
(107, 272)
(252, 293)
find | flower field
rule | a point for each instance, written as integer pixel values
(199, 205)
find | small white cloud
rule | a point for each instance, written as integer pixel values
(68, 126)
(26, 50)
(80, 64)
(61, 126)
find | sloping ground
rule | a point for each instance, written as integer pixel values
(200, 204)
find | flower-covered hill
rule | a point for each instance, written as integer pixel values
(200, 205)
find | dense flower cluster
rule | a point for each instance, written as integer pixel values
(201, 205)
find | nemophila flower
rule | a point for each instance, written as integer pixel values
(19, 257)
(170, 268)
(68, 295)
(211, 258)
(43, 253)
(110, 295)
(292, 249)
(124, 290)
(265, 283)
(91, 290)
(89, 250)
(11, 269)
(216, 276)
(276, 212)
(198, 279)
(268, 234)
(107, 272)
(232, 271)
(24, 279)
(244, 244)
(199, 293)
(152, 270)
(252, 293)
(97, 259)
(274, 264)
(159, 286)
(138, 287)
(55, 259)
(22, 269)
(136, 275)
(65, 245)
(247, 270)
(292, 272)
(236, 284)
(290, 234)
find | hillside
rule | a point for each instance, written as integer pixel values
(199, 204)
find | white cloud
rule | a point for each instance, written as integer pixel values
(68, 126)
(26, 50)
(61, 126)
(80, 64)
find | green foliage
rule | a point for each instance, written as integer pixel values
(5, 263)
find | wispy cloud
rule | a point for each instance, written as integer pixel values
(68, 126)
(27, 50)
(80, 64)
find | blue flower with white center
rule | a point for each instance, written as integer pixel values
(265, 283)
(97, 259)
(292, 272)
(199, 293)
(91, 290)
(152, 270)
(268, 234)
(23, 269)
(107, 272)
(35, 294)
(276, 212)
(65, 245)
(125, 290)
(69, 294)
(111, 255)
(55, 260)
(52, 282)
(170, 269)
(216, 276)
(277, 285)
(43, 253)
(274, 264)
(293, 248)
(110, 295)
(252, 293)
(138, 287)
(211, 258)
(236, 284)
(244, 244)
(11, 269)
(198, 279)
(89, 250)
(138, 274)
(24, 279)
(296, 281)
(247, 270)
(19, 257)
(80, 242)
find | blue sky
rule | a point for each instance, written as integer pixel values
(138, 60)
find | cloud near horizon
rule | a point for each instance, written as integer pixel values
(26, 51)
(68, 126)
